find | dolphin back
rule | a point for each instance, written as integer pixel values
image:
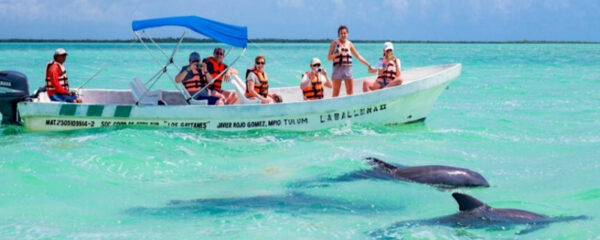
(380, 165)
(441, 176)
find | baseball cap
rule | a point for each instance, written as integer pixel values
(60, 51)
(194, 56)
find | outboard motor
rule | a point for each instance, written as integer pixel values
(13, 89)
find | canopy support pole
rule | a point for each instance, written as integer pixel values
(163, 69)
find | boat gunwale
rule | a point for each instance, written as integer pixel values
(448, 67)
(270, 110)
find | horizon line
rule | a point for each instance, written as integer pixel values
(272, 40)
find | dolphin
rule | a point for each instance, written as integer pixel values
(444, 177)
(476, 214)
(290, 202)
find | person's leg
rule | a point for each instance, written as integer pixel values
(220, 96)
(234, 97)
(55, 98)
(349, 83)
(375, 85)
(76, 98)
(366, 84)
(395, 82)
(212, 100)
(337, 83)
(63, 98)
(230, 97)
(71, 98)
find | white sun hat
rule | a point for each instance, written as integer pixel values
(315, 61)
(388, 45)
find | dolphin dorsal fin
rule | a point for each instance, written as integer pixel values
(377, 163)
(466, 202)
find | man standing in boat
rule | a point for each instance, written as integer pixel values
(57, 82)
(195, 77)
(220, 71)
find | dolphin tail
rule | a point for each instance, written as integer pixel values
(466, 202)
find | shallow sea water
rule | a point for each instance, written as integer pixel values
(526, 116)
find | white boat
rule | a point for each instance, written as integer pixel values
(409, 102)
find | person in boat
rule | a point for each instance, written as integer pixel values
(388, 71)
(220, 71)
(340, 52)
(312, 81)
(257, 82)
(195, 77)
(57, 82)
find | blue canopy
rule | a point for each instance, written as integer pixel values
(222, 32)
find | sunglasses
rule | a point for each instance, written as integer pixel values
(260, 63)
(219, 53)
(316, 65)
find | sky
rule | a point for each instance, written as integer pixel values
(433, 20)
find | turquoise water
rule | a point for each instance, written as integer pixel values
(526, 116)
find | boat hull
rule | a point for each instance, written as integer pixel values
(407, 103)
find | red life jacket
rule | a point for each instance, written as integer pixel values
(345, 57)
(63, 80)
(262, 87)
(315, 90)
(218, 68)
(389, 71)
(195, 83)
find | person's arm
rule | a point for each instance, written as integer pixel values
(397, 69)
(304, 82)
(381, 68)
(331, 54)
(375, 70)
(327, 81)
(357, 55)
(179, 78)
(204, 70)
(229, 72)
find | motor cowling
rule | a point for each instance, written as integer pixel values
(13, 89)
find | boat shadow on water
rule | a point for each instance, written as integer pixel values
(294, 203)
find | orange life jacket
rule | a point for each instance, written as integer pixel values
(63, 80)
(195, 83)
(218, 68)
(345, 57)
(315, 90)
(389, 71)
(262, 87)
